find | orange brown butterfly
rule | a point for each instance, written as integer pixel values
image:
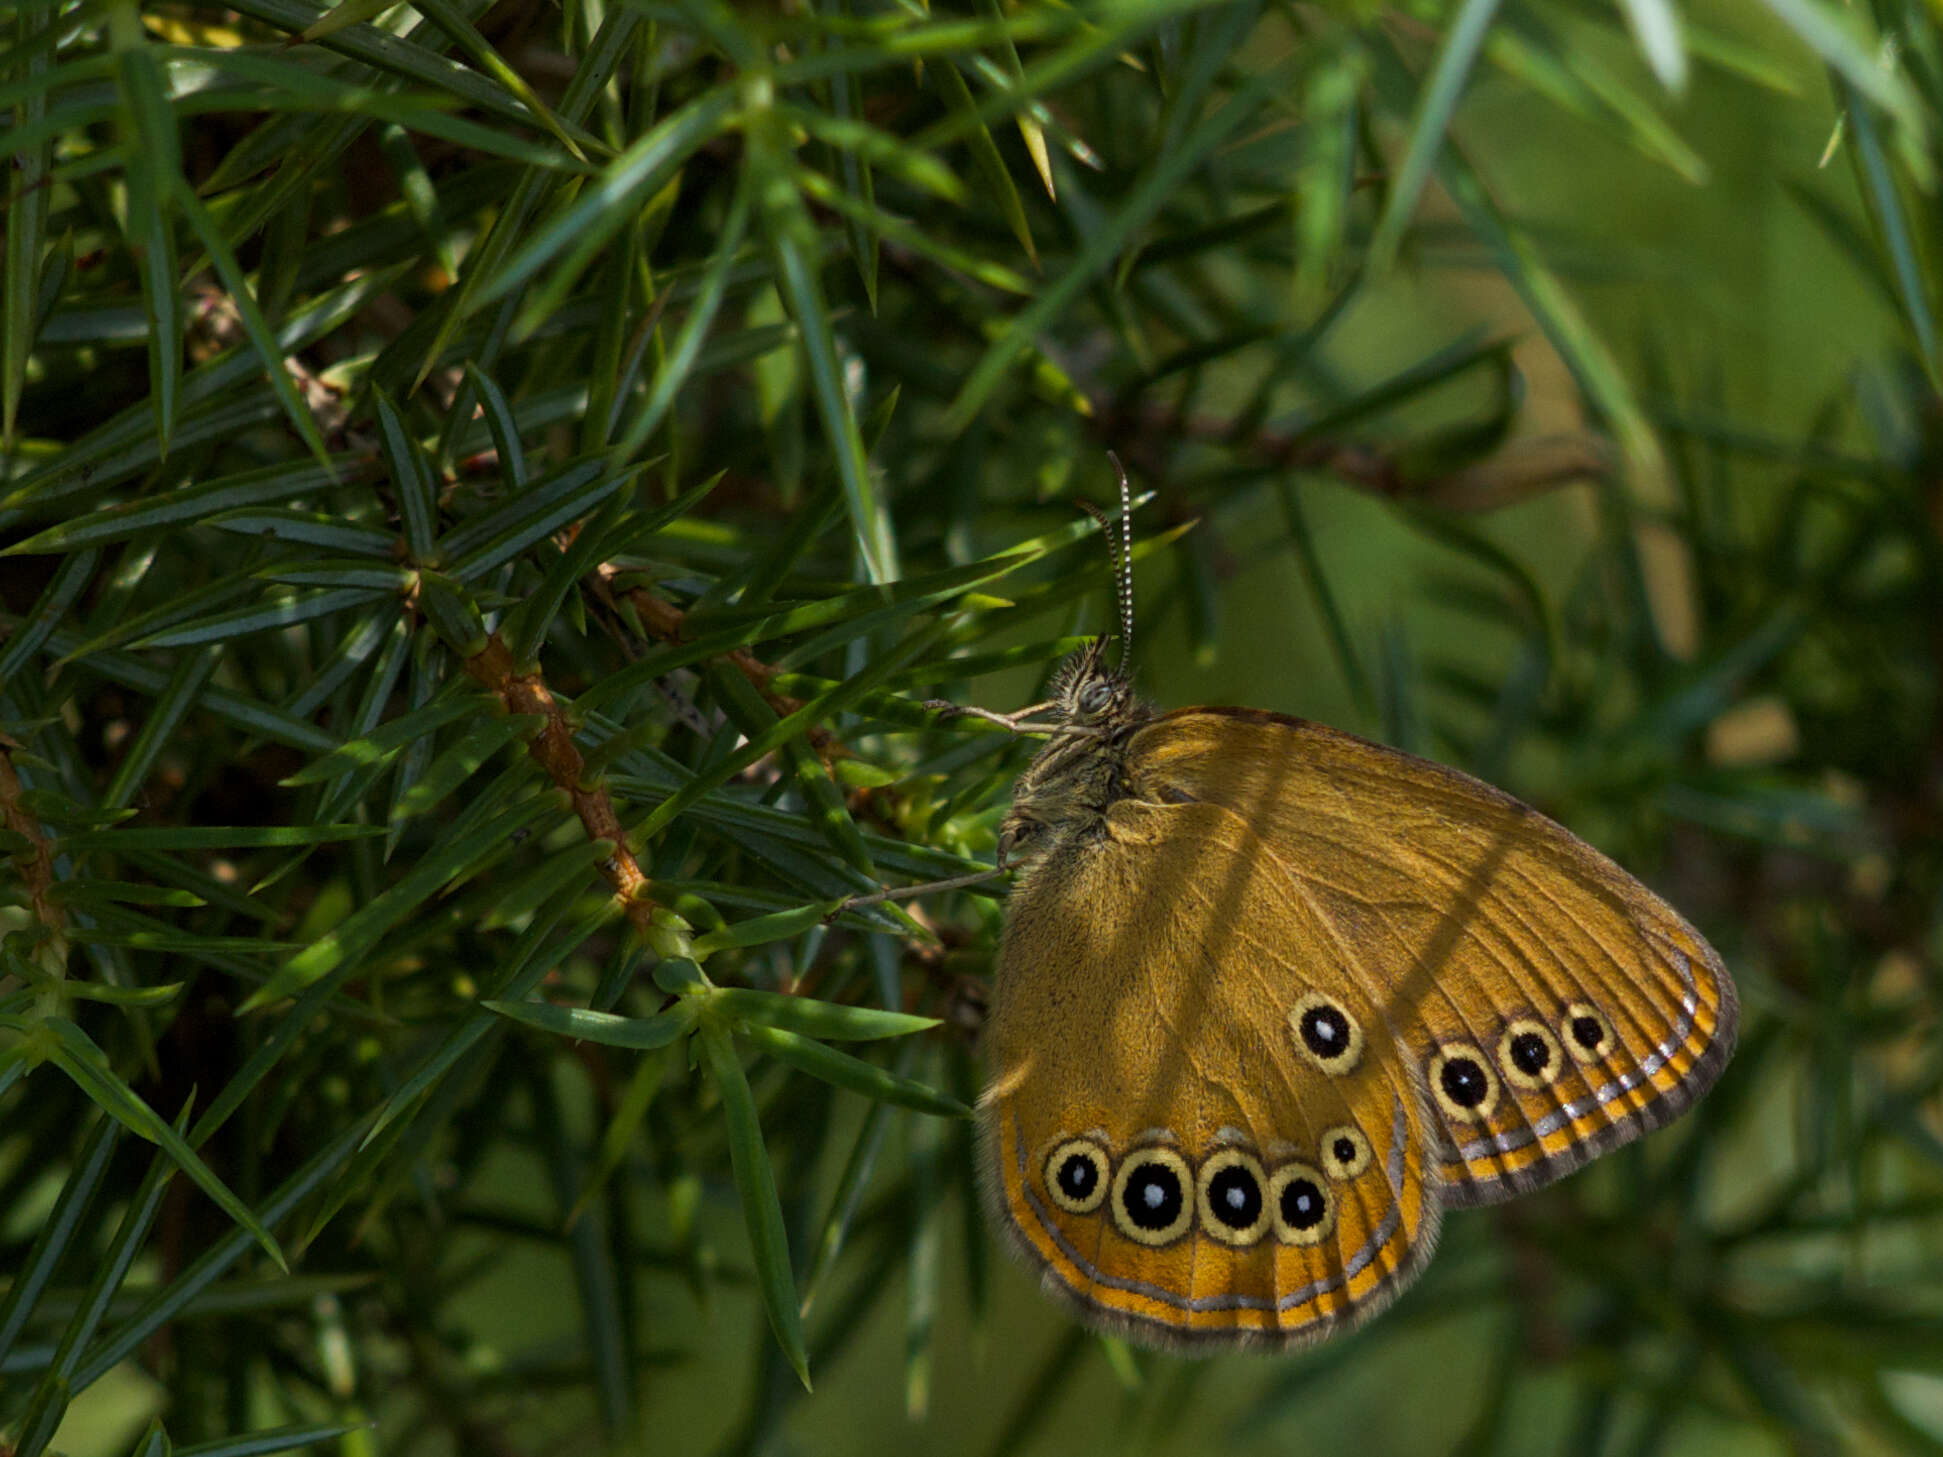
(1271, 998)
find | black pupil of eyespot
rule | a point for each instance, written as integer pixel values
(1235, 1198)
(1529, 1054)
(1464, 1082)
(1302, 1206)
(1326, 1031)
(1153, 1197)
(1345, 1151)
(1078, 1176)
(1587, 1032)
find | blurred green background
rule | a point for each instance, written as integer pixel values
(1548, 389)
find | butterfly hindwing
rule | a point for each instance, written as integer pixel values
(1161, 1140)
(1547, 1005)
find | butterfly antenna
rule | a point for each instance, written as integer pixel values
(1123, 564)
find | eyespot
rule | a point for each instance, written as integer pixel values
(1344, 1152)
(1587, 1032)
(1300, 1205)
(1153, 1198)
(1529, 1055)
(1077, 1175)
(1325, 1033)
(1232, 1198)
(1462, 1082)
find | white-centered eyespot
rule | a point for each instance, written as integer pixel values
(1462, 1082)
(1153, 1196)
(1300, 1205)
(1077, 1175)
(1325, 1032)
(1232, 1192)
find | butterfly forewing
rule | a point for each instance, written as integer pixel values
(1190, 1150)
(1546, 1004)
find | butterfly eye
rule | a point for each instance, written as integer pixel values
(1529, 1055)
(1325, 1033)
(1299, 1202)
(1076, 1176)
(1153, 1203)
(1234, 1206)
(1095, 696)
(1017, 832)
(1345, 1152)
(1463, 1083)
(1587, 1032)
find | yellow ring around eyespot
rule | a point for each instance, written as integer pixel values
(1576, 1010)
(1136, 1160)
(1216, 1163)
(1290, 1234)
(1102, 1170)
(1452, 1052)
(1352, 1053)
(1554, 1056)
(1344, 1168)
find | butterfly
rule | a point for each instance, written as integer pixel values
(1271, 998)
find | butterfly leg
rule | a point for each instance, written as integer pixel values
(907, 892)
(1017, 721)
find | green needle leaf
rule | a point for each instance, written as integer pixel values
(844, 1071)
(76, 1054)
(755, 1183)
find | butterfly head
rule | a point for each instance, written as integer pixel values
(1091, 693)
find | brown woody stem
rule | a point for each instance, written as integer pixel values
(554, 750)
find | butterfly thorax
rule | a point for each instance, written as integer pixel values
(1063, 796)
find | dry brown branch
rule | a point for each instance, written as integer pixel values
(554, 750)
(35, 864)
